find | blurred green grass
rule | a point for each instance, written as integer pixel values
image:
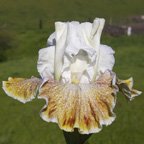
(25, 15)
(21, 124)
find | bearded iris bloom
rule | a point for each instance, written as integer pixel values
(76, 81)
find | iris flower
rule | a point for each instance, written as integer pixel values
(76, 81)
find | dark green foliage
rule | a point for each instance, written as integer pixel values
(6, 40)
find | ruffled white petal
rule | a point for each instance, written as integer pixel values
(45, 63)
(77, 55)
(84, 54)
(106, 60)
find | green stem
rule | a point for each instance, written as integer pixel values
(75, 137)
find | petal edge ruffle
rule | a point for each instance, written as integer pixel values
(83, 106)
(24, 90)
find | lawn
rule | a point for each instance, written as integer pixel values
(25, 15)
(21, 123)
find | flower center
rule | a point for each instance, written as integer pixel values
(78, 66)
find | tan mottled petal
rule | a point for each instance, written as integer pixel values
(83, 106)
(22, 89)
(126, 87)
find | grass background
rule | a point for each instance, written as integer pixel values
(19, 20)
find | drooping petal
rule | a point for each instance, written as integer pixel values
(83, 106)
(126, 87)
(24, 90)
(45, 64)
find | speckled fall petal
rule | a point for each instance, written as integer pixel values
(83, 106)
(126, 87)
(22, 89)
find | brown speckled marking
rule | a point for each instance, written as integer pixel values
(83, 106)
(22, 89)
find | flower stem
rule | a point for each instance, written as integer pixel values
(75, 137)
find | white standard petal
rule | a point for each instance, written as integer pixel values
(96, 32)
(61, 36)
(79, 54)
(45, 63)
(106, 58)
(84, 56)
(78, 57)
(104, 54)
